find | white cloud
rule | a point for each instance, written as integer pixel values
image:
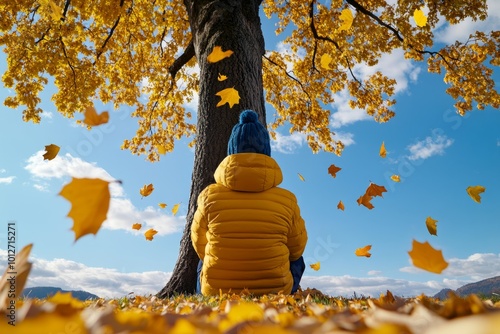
(7, 180)
(429, 146)
(448, 34)
(103, 282)
(476, 267)
(374, 273)
(47, 114)
(287, 143)
(122, 212)
(3, 171)
(347, 138)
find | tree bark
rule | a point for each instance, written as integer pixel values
(233, 25)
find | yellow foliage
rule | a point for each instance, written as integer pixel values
(425, 257)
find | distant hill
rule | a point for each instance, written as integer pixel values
(486, 287)
(47, 291)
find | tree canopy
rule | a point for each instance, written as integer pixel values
(140, 53)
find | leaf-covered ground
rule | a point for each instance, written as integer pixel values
(305, 312)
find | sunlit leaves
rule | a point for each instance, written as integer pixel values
(92, 118)
(315, 266)
(332, 170)
(21, 267)
(51, 152)
(217, 54)
(340, 206)
(382, 151)
(149, 234)
(346, 18)
(425, 257)
(475, 191)
(363, 251)
(395, 178)
(136, 226)
(175, 208)
(420, 18)
(431, 225)
(325, 61)
(229, 96)
(89, 200)
(146, 190)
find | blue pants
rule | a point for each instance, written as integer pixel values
(297, 268)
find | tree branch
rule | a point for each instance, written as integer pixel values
(182, 59)
(111, 32)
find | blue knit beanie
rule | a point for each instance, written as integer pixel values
(249, 136)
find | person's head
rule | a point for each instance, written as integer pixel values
(249, 136)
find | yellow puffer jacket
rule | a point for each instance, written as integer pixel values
(246, 229)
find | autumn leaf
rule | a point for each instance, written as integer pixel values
(363, 251)
(217, 54)
(366, 201)
(420, 18)
(332, 170)
(325, 61)
(51, 151)
(221, 77)
(175, 208)
(161, 149)
(146, 190)
(301, 177)
(375, 190)
(431, 225)
(136, 226)
(474, 192)
(340, 206)
(395, 178)
(347, 19)
(89, 200)
(149, 234)
(315, 266)
(382, 152)
(228, 95)
(91, 117)
(427, 258)
(21, 267)
(162, 205)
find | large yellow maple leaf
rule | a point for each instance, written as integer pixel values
(21, 267)
(89, 200)
(228, 95)
(425, 257)
(92, 118)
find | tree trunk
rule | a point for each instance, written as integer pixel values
(233, 25)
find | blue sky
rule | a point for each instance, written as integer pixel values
(437, 153)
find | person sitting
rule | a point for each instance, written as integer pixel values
(247, 231)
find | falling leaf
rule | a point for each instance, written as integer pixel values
(347, 19)
(175, 208)
(375, 190)
(395, 178)
(149, 234)
(383, 152)
(431, 225)
(340, 206)
(94, 119)
(146, 190)
(162, 205)
(332, 170)
(474, 192)
(366, 201)
(363, 251)
(420, 18)
(51, 151)
(89, 200)
(21, 267)
(301, 177)
(228, 95)
(161, 149)
(325, 61)
(136, 226)
(427, 258)
(221, 77)
(217, 54)
(315, 266)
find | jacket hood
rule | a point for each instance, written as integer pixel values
(251, 172)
